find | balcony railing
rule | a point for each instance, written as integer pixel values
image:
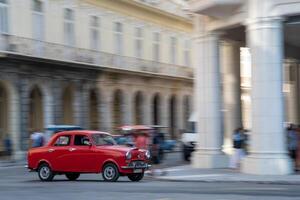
(46, 50)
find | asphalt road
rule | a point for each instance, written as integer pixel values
(17, 183)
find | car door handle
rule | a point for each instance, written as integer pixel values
(51, 150)
(72, 149)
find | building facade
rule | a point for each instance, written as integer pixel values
(97, 64)
(268, 29)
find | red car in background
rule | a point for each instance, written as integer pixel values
(74, 152)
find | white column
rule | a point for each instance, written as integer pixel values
(230, 57)
(268, 152)
(208, 105)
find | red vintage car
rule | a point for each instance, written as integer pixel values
(74, 152)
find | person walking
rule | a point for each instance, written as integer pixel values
(37, 139)
(292, 142)
(238, 139)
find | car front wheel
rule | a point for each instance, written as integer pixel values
(110, 172)
(72, 176)
(136, 177)
(45, 172)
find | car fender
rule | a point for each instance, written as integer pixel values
(43, 160)
(109, 161)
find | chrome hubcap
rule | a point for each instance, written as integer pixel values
(45, 172)
(109, 172)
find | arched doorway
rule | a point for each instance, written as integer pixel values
(3, 115)
(173, 116)
(117, 112)
(156, 110)
(138, 108)
(36, 117)
(93, 111)
(67, 98)
(186, 111)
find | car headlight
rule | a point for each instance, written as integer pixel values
(147, 154)
(128, 155)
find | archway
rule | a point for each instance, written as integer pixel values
(173, 116)
(156, 110)
(138, 108)
(68, 111)
(36, 114)
(93, 111)
(117, 111)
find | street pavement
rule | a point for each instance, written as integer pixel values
(17, 183)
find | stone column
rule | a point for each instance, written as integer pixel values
(165, 114)
(208, 153)
(147, 110)
(230, 57)
(106, 110)
(128, 108)
(180, 115)
(268, 152)
(24, 113)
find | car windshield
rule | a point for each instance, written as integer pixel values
(103, 139)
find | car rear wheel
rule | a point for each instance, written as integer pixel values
(72, 176)
(110, 172)
(136, 177)
(45, 172)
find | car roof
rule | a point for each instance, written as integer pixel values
(86, 132)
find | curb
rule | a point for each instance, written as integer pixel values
(229, 181)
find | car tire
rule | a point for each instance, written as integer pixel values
(110, 172)
(45, 172)
(136, 177)
(72, 176)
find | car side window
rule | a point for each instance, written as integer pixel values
(63, 140)
(81, 140)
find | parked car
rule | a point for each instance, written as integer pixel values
(189, 138)
(71, 153)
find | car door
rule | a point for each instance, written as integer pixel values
(59, 154)
(83, 157)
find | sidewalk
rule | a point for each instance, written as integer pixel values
(188, 174)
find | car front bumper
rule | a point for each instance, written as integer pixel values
(137, 165)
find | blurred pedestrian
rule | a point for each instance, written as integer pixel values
(37, 139)
(7, 145)
(142, 141)
(292, 142)
(238, 139)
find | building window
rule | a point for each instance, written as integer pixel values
(173, 50)
(38, 20)
(187, 52)
(69, 27)
(139, 34)
(118, 38)
(3, 16)
(156, 47)
(94, 33)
